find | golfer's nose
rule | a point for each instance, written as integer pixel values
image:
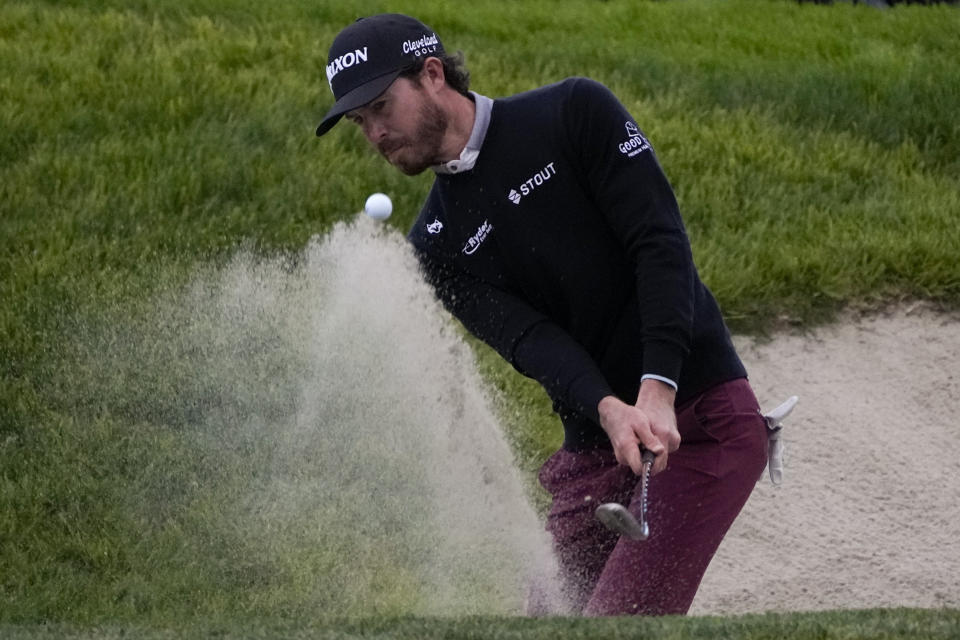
(375, 131)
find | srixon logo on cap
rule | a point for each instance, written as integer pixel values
(345, 61)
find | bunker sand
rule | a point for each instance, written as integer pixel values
(868, 514)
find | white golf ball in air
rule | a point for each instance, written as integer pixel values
(378, 206)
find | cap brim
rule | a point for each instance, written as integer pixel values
(356, 98)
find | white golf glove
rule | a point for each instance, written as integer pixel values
(774, 420)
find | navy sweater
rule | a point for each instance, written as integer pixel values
(563, 249)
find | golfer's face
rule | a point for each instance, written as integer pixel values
(404, 125)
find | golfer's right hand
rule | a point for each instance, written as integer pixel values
(629, 429)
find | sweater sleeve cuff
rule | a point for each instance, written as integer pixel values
(653, 376)
(587, 391)
(663, 359)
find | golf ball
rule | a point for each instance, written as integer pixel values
(378, 206)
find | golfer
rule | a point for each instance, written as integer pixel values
(553, 235)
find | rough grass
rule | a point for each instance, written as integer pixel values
(814, 151)
(842, 625)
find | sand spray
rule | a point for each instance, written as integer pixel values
(353, 439)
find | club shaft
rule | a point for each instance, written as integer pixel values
(644, 485)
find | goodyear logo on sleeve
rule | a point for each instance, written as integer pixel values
(635, 142)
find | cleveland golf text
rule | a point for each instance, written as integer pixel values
(426, 44)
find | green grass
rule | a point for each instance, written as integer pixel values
(814, 150)
(860, 625)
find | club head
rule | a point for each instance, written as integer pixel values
(618, 519)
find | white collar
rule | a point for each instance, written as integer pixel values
(468, 157)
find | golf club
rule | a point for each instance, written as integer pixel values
(618, 518)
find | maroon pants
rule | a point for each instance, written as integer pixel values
(690, 507)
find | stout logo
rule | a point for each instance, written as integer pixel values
(532, 183)
(435, 227)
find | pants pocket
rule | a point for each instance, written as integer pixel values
(726, 421)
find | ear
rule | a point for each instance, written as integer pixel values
(432, 74)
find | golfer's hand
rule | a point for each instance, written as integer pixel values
(651, 424)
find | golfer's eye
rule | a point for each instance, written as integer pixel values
(378, 106)
(355, 119)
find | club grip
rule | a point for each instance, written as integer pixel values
(647, 456)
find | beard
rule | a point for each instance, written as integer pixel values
(412, 154)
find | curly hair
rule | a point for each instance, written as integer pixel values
(454, 70)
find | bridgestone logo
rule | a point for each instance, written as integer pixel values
(345, 61)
